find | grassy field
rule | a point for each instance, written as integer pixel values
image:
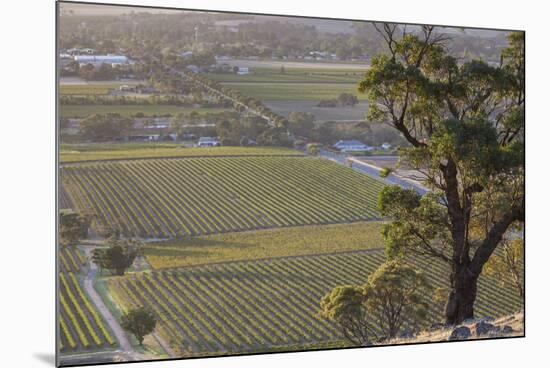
(295, 91)
(294, 75)
(270, 305)
(167, 198)
(87, 89)
(258, 244)
(80, 111)
(117, 151)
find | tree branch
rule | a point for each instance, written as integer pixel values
(486, 249)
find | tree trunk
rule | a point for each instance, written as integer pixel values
(460, 305)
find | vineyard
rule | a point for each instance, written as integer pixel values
(71, 259)
(81, 327)
(269, 243)
(171, 198)
(121, 151)
(271, 304)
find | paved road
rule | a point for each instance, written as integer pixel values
(373, 171)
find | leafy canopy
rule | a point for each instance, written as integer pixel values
(395, 294)
(140, 322)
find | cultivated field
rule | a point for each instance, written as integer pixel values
(71, 260)
(248, 245)
(335, 65)
(81, 111)
(294, 75)
(82, 328)
(271, 304)
(198, 196)
(340, 113)
(295, 91)
(117, 151)
(87, 89)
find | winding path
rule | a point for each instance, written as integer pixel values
(121, 337)
(119, 332)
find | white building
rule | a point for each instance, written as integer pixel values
(208, 142)
(243, 71)
(351, 145)
(193, 68)
(97, 60)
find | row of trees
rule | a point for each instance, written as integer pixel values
(256, 122)
(110, 126)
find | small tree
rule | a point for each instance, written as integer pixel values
(118, 257)
(313, 149)
(385, 172)
(301, 123)
(347, 99)
(507, 266)
(72, 227)
(394, 294)
(140, 322)
(345, 306)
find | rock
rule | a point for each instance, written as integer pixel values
(507, 329)
(407, 334)
(460, 333)
(484, 328)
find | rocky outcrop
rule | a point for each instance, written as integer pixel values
(479, 328)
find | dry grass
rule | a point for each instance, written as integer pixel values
(516, 321)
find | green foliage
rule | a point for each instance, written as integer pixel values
(385, 172)
(301, 123)
(274, 136)
(347, 99)
(105, 127)
(119, 255)
(140, 322)
(103, 72)
(313, 148)
(464, 122)
(419, 223)
(229, 132)
(345, 306)
(73, 227)
(507, 266)
(394, 295)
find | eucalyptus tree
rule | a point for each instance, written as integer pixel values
(464, 121)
